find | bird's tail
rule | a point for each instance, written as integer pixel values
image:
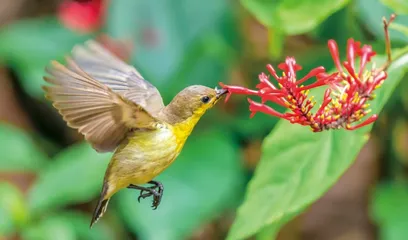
(100, 209)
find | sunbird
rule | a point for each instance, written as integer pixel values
(117, 110)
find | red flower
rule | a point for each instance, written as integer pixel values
(354, 88)
(83, 16)
(88, 16)
(345, 101)
(290, 93)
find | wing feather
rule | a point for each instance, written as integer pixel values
(122, 78)
(103, 116)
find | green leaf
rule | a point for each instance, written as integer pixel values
(205, 180)
(13, 210)
(370, 13)
(292, 16)
(390, 210)
(401, 28)
(49, 229)
(67, 226)
(176, 47)
(399, 6)
(75, 176)
(18, 151)
(298, 166)
(29, 45)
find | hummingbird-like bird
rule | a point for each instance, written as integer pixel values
(116, 109)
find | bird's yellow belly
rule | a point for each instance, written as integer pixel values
(143, 156)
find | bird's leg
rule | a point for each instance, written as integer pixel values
(157, 194)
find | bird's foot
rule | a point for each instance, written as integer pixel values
(156, 191)
(156, 197)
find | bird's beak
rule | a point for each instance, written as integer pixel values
(220, 92)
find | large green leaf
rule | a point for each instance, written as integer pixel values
(390, 210)
(28, 46)
(66, 226)
(291, 16)
(18, 151)
(177, 42)
(204, 181)
(299, 166)
(74, 176)
(13, 210)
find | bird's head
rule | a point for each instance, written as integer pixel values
(193, 102)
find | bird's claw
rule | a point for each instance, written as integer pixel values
(156, 200)
(144, 195)
(156, 197)
(151, 191)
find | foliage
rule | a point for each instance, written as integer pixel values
(399, 6)
(74, 176)
(290, 17)
(389, 209)
(12, 209)
(66, 225)
(293, 17)
(28, 56)
(19, 152)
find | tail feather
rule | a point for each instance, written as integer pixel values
(100, 209)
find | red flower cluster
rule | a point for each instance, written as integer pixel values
(345, 101)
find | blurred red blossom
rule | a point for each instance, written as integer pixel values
(87, 16)
(82, 15)
(344, 104)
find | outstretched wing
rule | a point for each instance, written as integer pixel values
(102, 115)
(122, 78)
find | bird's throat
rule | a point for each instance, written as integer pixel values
(183, 129)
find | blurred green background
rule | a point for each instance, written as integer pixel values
(50, 179)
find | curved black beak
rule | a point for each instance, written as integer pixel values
(220, 92)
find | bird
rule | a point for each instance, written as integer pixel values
(116, 110)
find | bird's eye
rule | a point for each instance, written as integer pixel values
(205, 99)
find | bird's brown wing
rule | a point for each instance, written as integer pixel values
(103, 116)
(122, 78)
